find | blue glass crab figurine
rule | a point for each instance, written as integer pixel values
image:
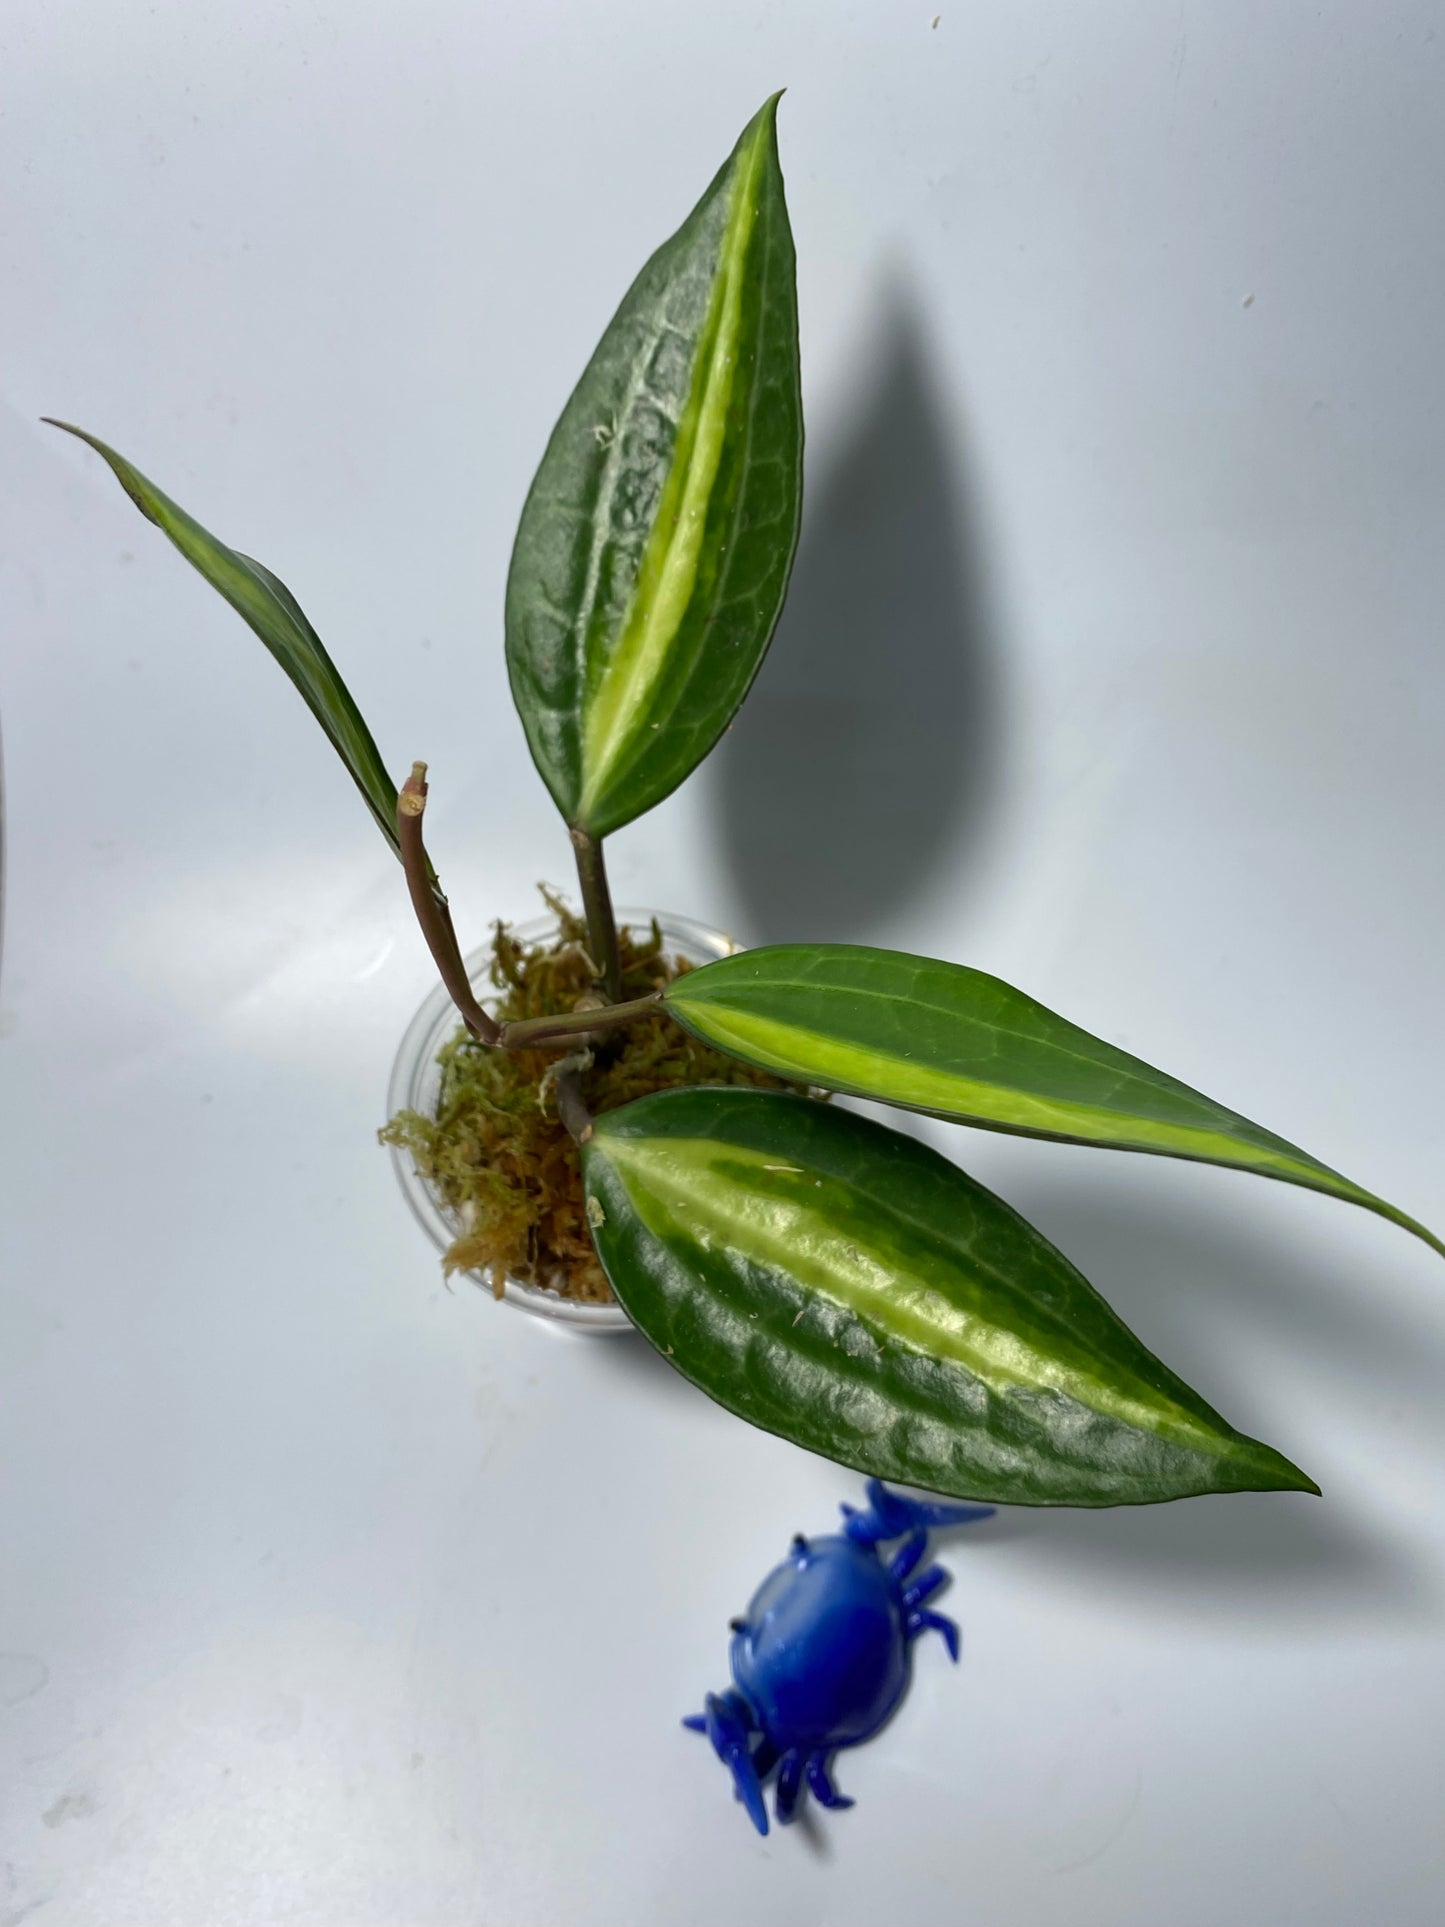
(822, 1656)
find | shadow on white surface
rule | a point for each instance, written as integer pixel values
(1235, 1307)
(867, 753)
(629, 1359)
(1285, 1558)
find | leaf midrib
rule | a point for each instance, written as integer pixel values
(1122, 1080)
(602, 753)
(727, 999)
(1156, 1413)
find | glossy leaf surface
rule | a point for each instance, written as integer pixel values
(265, 602)
(954, 1042)
(654, 548)
(845, 1286)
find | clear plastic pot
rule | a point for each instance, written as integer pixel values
(416, 1083)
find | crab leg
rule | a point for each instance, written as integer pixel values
(790, 1781)
(819, 1779)
(920, 1622)
(924, 1587)
(908, 1555)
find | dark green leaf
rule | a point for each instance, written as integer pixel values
(956, 1043)
(845, 1286)
(274, 613)
(654, 548)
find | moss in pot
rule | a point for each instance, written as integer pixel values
(821, 1275)
(489, 1144)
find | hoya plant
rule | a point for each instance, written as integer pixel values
(818, 1273)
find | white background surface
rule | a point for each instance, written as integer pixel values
(334, 1600)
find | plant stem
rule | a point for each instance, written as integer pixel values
(597, 903)
(570, 1106)
(528, 1033)
(432, 911)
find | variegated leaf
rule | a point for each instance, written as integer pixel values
(955, 1042)
(654, 548)
(845, 1286)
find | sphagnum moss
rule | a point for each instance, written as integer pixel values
(498, 1152)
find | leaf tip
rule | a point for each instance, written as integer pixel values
(1422, 1232)
(765, 120)
(82, 435)
(134, 484)
(1282, 1475)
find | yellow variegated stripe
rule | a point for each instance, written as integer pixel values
(838, 1064)
(723, 1194)
(669, 566)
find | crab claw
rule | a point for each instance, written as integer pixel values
(889, 1515)
(728, 1730)
(932, 1515)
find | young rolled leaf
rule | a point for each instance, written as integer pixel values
(845, 1286)
(265, 602)
(957, 1043)
(654, 548)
